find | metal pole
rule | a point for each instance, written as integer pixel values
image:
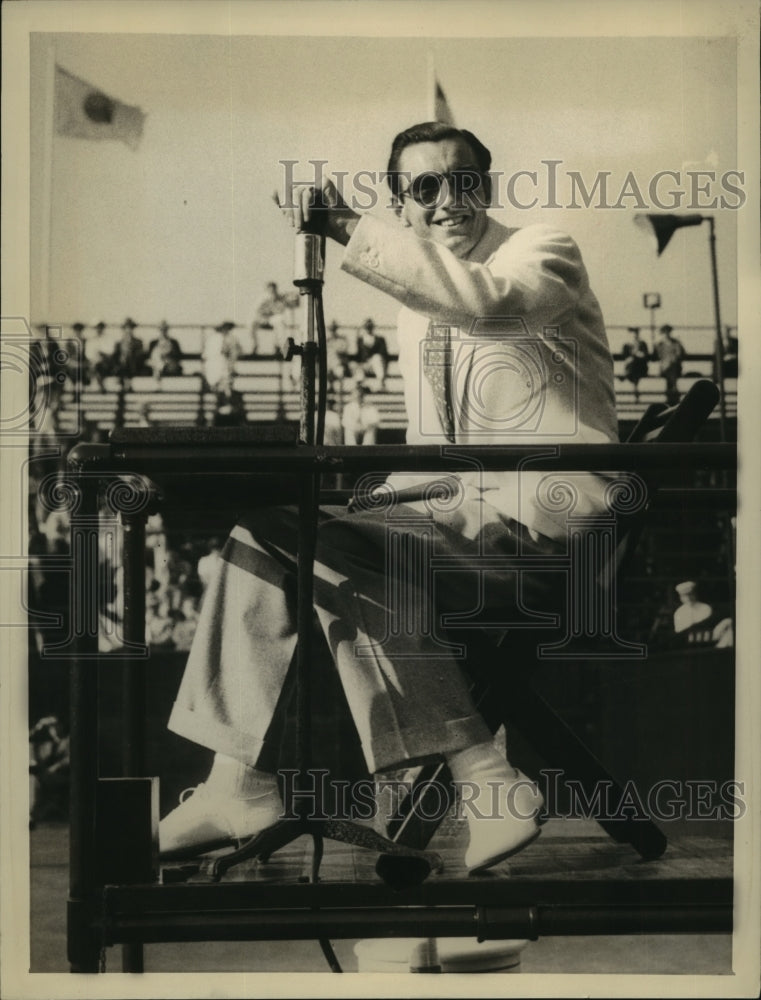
(307, 540)
(133, 733)
(83, 943)
(719, 346)
(134, 679)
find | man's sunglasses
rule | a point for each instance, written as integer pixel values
(428, 189)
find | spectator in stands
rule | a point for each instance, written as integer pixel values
(128, 358)
(98, 354)
(144, 415)
(636, 356)
(371, 357)
(692, 613)
(670, 354)
(185, 625)
(76, 363)
(164, 354)
(209, 564)
(159, 624)
(229, 407)
(333, 428)
(49, 768)
(156, 549)
(338, 353)
(220, 354)
(360, 418)
(181, 575)
(269, 322)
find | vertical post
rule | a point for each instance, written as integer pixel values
(134, 680)
(307, 540)
(308, 366)
(133, 561)
(718, 345)
(83, 940)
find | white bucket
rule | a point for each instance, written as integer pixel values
(454, 955)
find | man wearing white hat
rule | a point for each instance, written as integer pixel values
(691, 611)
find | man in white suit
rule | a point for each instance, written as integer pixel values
(500, 340)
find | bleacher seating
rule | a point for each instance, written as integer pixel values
(269, 394)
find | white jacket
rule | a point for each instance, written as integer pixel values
(530, 356)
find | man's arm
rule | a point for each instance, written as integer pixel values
(537, 274)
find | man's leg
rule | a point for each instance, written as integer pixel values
(407, 694)
(405, 689)
(233, 678)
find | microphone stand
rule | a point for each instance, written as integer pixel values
(398, 865)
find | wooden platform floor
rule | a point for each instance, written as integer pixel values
(573, 850)
(568, 849)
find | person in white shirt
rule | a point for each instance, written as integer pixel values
(501, 339)
(268, 322)
(208, 565)
(360, 418)
(691, 611)
(220, 354)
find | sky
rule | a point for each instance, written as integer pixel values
(185, 227)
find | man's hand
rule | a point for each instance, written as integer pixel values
(301, 201)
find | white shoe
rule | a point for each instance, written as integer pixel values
(504, 819)
(205, 822)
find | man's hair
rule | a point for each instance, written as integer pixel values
(432, 132)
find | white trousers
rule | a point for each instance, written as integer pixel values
(379, 596)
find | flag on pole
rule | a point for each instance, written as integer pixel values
(438, 107)
(84, 112)
(442, 111)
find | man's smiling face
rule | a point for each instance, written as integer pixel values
(457, 223)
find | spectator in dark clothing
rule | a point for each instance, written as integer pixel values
(338, 353)
(371, 357)
(99, 357)
(670, 354)
(164, 354)
(636, 356)
(128, 359)
(76, 364)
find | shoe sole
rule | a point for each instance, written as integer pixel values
(503, 855)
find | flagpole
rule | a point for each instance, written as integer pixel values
(42, 301)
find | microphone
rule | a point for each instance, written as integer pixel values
(309, 248)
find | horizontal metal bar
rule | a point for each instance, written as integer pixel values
(262, 461)
(483, 923)
(131, 899)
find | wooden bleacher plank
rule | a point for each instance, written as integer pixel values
(259, 366)
(257, 383)
(179, 400)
